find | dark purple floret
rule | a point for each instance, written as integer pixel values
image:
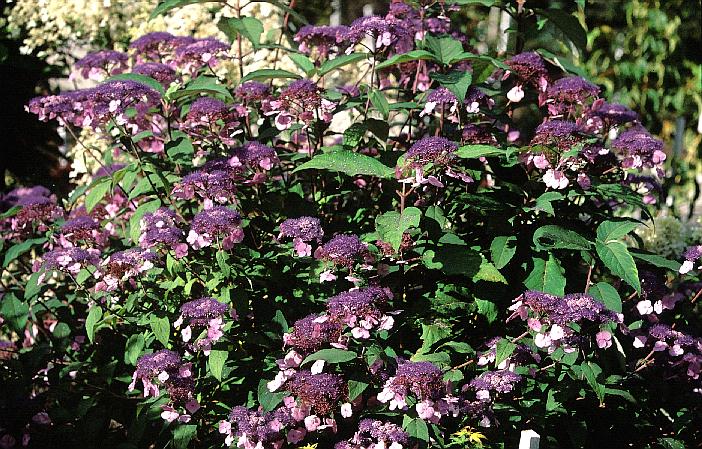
(301, 93)
(101, 64)
(639, 149)
(501, 381)
(151, 365)
(424, 379)
(306, 229)
(613, 113)
(214, 184)
(437, 150)
(325, 39)
(566, 93)
(203, 308)
(258, 427)
(215, 221)
(158, 46)
(79, 228)
(69, 260)
(529, 68)
(162, 73)
(343, 250)
(308, 335)
(252, 91)
(67, 107)
(560, 133)
(160, 227)
(127, 263)
(321, 392)
(693, 253)
(385, 31)
(373, 433)
(256, 155)
(572, 308)
(200, 53)
(478, 134)
(441, 95)
(369, 301)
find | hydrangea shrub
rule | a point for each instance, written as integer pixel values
(440, 253)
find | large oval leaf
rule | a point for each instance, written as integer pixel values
(349, 163)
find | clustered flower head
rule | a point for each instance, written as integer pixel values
(252, 91)
(317, 393)
(162, 73)
(604, 114)
(158, 46)
(640, 150)
(692, 255)
(81, 227)
(300, 101)
(501, 381)
(166, 368)
(437, 151)
(560, 133)
(684, 350)
(256, 429)
(529, 69)
(207, 52)
(68, 260)
(122, 267)
(362, 310)
(218, 223)
(211, 120)
(302, 230)
(310, 334)
(323, 40)
(254, 156)
(202, 314)
(384, 32)
(37, 210)
(425, 381)
(374, 434)
(101, 64)
(522, 355)
(566, 94)
(160, 228)
(444, 99)
(343, 251)
(544, 311)
(214, 182)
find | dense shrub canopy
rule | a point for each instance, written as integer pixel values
(405, 244)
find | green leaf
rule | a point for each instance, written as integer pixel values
(431, 334)
(671, 443)
(392, 225)
(569, 25)
(356, 388)
(203, 85)
(339, 62)
(472, 2)
(267, 74)
(248, 27)
(502, 249)
(555, 237)
(414, 55)
(445, 49)
(268, 400)
(614, 230)
(457, 82)
(544, 201)
(167, 5)
(303, 62)
(503, 350)
(18, 249)
(14, 311)
(488, 272)
(134, 226)
(97, 192)
(180, 148)
(380, 102)
(349, 163)
(94, 316)
(476, 151)
(161, 328)
(216, 359)
(590, 371)
(655, 260)
(183, 434)
(616, 257)
(331, 355)
(416, 428)
(486, 308)
(143, 79)
(607, 295)
(133, 348)
(354, 134)
(547, 276)
(33, 287)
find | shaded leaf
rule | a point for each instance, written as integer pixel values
(349, 163)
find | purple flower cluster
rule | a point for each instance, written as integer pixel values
(501, 381)
(478, 135)
(211, 120)
(640, 150)
(207, 52)
(318, 393)
(122, 267)
(435, 150)
(202, 314)
(161, 228)
(372, 434)
(325, 40)
(565, 94)
(692, 255)
(560, 133)
(444, 99)
(252, 91)
(610, 114)
(684, 350)
(79, 228)
(256, 429)
(386, 32)
(302, 230)
(215, 182)
(69, 260)
(102, 64)
(343, 250)
(215, 223)
(301, 101)
(521, 355)
(310, 334)
(158, 46)
(362, 310)
(162, 73)
(255, 156)
(558, 313)
(38, 209)
(529, 69)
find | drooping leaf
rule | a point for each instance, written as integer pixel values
(457, 82)
(183, 434)
(18, 249)
(161, 328)
(556, 237)
(331, 355)
(487, 272)
(503, 350)
(269, 400)
(655, 260)
(14, 311)
(377, 98)
(608, 295)
(267, 74)
(502, 249)
(392, 225)
(340, 61)
(349, 163)
(615, 230)
(356, 388)
(416, 428)
(94, 316)
(547, 276)
(476, 151)
(569, 25)
(618, 260)
(216, 360)
(248, 27)
(444, 49)
(203, 85)
(133, 348)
